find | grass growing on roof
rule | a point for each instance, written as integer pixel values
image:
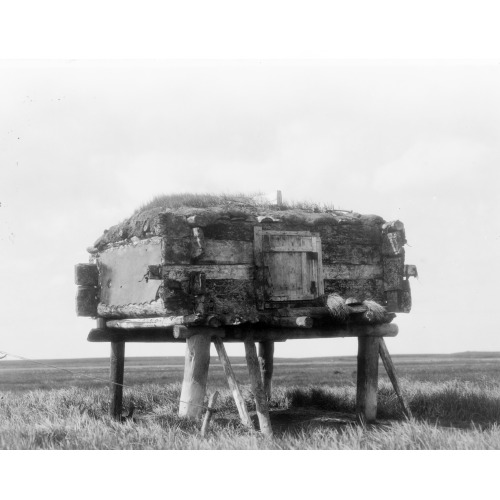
(207, 200)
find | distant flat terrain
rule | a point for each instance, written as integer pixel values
(25, 375)
(454, 399)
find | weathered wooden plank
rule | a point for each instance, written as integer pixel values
(352, 271)
(233, 383)
(239, 333)
(164, 322)
(391, 372)
(184, 332)
(86, 275)
(227, 252)
(194, 384)
(260, 282)
(350, 253)
(266, 361)
(212, 271)
(367, 378)
(258, 388)
(287, 241)
(140, 335)
(86, 301)
(153, 308)
(117, 364)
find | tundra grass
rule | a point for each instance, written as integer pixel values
(447, 415)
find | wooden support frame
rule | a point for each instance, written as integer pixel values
(258, 388)
(117, 367)
(233, 383)
(367, 379)
(260, 367)
(266, 361)
(194, 385)
(391, 372)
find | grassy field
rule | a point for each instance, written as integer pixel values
(455, 401)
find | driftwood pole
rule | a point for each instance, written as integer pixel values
(194, 385)
(258, 388)
(208, 415)
(233, 383)
(266, 359)
(391, 372)
(366, 397)
(116, 377)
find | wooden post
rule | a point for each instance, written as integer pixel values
(194, 385)
(233, 384)
(366, 397)
(208, 415)
(116, 376)
(391, 372)
(279, 198)
(258, 388)
(266, 360)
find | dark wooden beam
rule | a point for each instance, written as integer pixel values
(266, 360)
(116, 377)
(367, 378)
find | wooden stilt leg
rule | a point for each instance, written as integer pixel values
(258, 388)
(266, 359)
(194, 385)
(391, 372)
(116, 377)
(366, 397)
(232, 382)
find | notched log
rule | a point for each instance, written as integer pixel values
(86, 275)
(86, 301)
(171, 225)
(176, 250)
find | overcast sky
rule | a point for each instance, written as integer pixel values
(82, 145)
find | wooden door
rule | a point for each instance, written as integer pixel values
(289, 265)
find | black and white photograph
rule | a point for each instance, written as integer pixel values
(249, 253)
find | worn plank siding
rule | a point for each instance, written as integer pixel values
(226, 252)
(350, 254)
(212, 271)
(153, 308)
(227, 230)
(352, 271)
